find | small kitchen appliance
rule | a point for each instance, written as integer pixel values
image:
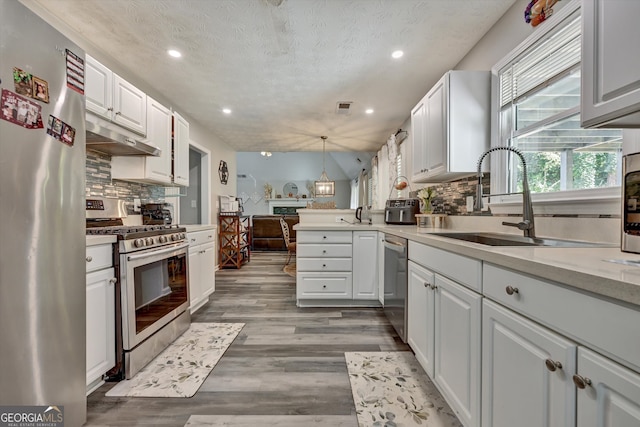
(156, 213)
(152, 301)
(630, 241)
(401, 211)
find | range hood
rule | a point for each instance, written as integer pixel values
(109, 141)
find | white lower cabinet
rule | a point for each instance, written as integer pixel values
(420, 315)
(457, 348)
(527, 372)
(100, 316)
(611, 393)
(365, 272)
(202, 267)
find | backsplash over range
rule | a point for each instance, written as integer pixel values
(99, 182)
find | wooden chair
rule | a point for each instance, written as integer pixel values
(291, 246)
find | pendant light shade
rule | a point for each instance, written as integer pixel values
(324, 187)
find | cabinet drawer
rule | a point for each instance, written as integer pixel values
(466, 271)
(324, 286)
(611, 328)
(98, 257)
(324, 237)
(323, 251)
(323, 264)
(200, 237)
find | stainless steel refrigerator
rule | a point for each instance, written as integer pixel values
(42, 216)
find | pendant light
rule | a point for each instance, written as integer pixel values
(324, 187)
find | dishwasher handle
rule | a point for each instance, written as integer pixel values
(396, 247)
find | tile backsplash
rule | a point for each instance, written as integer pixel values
(99, 182)
(451, 197)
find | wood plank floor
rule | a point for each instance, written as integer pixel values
(286, 360)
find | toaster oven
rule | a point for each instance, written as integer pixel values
(630, 240)
(401, 211)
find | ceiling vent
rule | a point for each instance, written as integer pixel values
(344, 108)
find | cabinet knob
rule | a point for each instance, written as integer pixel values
(552, 365)
(324, 286)
(581, 382)
(511, 290)
(110, 109)
(89, 258)
(118, 113)
(113, 281)
(324, 252)
(324, 265)
(434, 287)
(427, 284)
(324, 237)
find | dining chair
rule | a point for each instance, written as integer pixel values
(291, 246)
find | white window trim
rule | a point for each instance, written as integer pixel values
(598, 201)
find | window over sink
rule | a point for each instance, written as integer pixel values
(538, 112)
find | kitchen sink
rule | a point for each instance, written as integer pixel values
(503, 239)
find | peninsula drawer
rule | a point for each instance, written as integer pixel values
(98, 257)
(323, 251)
(324, 237)
(324, 286)
(610, 327)
(200, 237)
(323, 264)
(464, 270)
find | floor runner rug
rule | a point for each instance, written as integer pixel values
(392, 389)
(181, 368)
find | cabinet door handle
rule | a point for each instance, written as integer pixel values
(581, 382)
(552, 365)
(511, 290)
(89, 258)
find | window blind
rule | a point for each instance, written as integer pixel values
(554, 54)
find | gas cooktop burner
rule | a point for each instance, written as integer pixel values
(129, 229)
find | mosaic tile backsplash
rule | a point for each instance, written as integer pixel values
(451, 197)
(99, 182)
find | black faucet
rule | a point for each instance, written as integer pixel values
(527, 224)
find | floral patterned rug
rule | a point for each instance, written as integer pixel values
(390, 389)
(181, 368)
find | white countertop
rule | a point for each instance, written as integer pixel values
(581, 268)
(100, 239)
(198, 227)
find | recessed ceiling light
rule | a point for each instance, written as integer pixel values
(174, 53)
(226, 110)
(369, 111)
(397, 54)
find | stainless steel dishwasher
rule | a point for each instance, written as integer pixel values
(395, 283)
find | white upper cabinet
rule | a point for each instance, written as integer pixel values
(610, 95)
(149, 169)
(451, 127)
(113, 98)
(180, 150)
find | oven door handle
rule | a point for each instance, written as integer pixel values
(157, 252)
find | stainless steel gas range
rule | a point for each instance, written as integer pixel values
(152, 293)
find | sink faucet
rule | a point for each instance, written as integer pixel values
(527, 224)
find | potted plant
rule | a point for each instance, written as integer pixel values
(426, 196)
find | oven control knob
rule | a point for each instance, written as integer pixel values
(163, 239)
(183, 236)
(149, 241)
(138, 243)
(175, 237)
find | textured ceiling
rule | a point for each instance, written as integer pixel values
(282, 65)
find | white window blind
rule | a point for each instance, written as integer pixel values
(550, 57)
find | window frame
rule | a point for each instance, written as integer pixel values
(597, 201)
